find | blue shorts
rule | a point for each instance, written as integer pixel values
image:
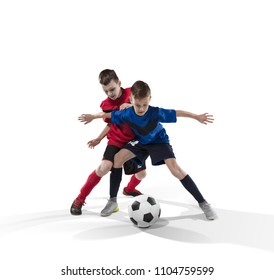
(157, 152)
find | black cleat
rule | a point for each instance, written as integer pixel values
(76, 207)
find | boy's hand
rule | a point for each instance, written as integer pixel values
(125, 106)
(86, 118)
(94, 142)
(205, 118)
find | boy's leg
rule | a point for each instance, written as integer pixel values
(92, 180)
(130, 189)
(184, 178)
(191, 187)
(139, 173)
(115, 179)
(112, 205)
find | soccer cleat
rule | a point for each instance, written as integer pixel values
(133, 193)
(76, 207)
(111, 207)
(209, 212)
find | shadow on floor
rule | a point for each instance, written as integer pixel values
(232, 227)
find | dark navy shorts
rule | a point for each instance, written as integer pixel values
(130, 167)
(157, 152)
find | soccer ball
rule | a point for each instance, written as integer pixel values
(144, 211)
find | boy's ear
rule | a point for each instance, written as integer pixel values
(119, 83)
(130, 99)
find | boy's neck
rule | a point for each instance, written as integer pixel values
(120, 93)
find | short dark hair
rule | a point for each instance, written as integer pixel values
(140, 89)
(106, 76)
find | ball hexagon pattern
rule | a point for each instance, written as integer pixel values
(144, 211)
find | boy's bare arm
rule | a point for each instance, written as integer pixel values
(94, 142)
(87, 118)
(202, 118)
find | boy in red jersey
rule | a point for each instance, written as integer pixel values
(118, 135)
(152, 140)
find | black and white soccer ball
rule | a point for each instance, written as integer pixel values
(144, 211)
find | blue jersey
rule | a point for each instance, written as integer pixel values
(148, 127)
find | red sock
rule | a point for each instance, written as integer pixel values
(133, 183)
(92, 181)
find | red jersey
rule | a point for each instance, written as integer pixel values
(118, 134)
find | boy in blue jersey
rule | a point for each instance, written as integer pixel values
(152, 139)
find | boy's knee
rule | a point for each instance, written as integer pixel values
(104, 168)
(175, 169)
(178, 173)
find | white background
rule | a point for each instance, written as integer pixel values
(199, 56)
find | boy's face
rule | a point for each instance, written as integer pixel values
(113, 89)
(140, 105)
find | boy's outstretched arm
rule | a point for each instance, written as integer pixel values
(202, 118)
(87, 118)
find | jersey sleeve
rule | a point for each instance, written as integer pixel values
(167, 115)
(105, 108)
(117, 117)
